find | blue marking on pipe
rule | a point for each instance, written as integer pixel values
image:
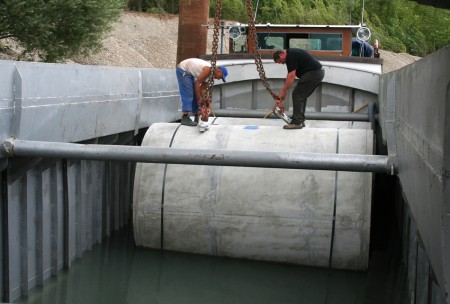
(251, 127)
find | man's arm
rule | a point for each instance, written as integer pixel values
(290, 78)
(200, 79)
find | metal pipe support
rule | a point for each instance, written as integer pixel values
(266, 159)
(309, 116)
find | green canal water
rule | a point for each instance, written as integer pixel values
(118, 272)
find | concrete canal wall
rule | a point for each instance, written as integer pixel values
(414, 105)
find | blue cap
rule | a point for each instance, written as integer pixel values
(224, 72)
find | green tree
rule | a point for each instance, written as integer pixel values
(58, 29)
(233, 10)
(435, 33)
(280, 11)
(409, 27)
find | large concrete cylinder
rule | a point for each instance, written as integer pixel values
(315, 218)
(192, 29)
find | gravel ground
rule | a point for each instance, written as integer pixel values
(139, 40)
(142, 40)
(150, 40)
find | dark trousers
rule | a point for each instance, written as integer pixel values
(304, 88)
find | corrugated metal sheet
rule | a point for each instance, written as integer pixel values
(56, 210)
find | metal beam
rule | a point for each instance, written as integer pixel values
(310, 116)
(207, 157)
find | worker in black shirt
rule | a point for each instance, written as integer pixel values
(309, 72)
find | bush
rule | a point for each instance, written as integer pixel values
(58, 29)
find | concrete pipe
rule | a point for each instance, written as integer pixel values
(308, 217)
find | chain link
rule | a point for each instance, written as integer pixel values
(215, 43)
(254, 41)
(206, 101)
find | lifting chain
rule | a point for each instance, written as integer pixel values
(254, 40)
(205, 104)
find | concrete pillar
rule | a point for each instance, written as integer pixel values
(192, 29)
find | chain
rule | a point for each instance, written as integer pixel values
(204, 111)
(205, 103)
(215, 43)
(254, 40)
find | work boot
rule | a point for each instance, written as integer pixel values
(186, 121)
(293, 126)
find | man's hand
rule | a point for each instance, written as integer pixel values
(279, 103)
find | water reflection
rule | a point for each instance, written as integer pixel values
(117, 272)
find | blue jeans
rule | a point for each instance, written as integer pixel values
(186, 85)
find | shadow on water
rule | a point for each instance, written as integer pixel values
(118, 272)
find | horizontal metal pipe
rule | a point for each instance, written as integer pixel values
(288, 160)
(311, 115)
